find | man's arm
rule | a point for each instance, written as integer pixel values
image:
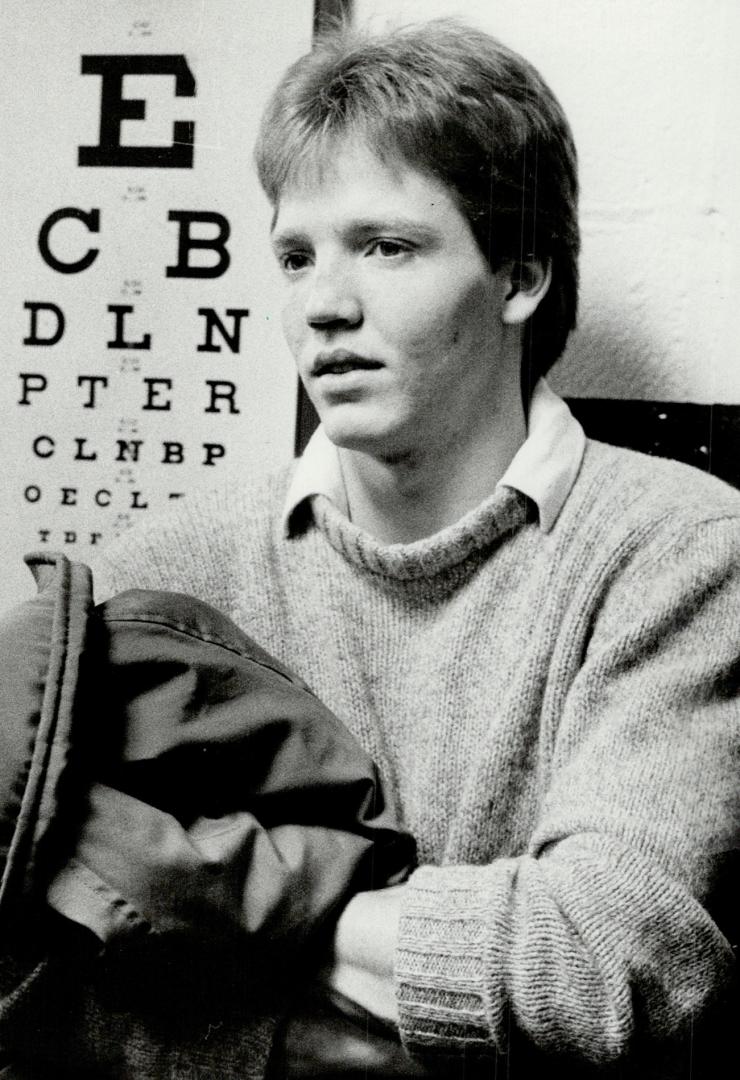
(599, 936)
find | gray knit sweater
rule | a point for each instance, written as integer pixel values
(556, 715)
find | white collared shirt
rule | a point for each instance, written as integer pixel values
(544, 467)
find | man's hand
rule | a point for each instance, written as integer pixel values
(364, 948)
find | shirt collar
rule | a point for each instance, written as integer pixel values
(546, 464)
(544, 467)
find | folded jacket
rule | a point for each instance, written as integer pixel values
(226, 796)
(205, 819)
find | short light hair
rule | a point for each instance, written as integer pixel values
(452, 101)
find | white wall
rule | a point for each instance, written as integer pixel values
(652, 90)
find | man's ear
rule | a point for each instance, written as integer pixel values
(529, 280)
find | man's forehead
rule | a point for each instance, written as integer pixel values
(361, 185)
(337, 161)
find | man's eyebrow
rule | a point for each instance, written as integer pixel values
(361, 228)
(287, 239)
(384, 225)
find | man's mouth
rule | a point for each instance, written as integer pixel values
(340, 361)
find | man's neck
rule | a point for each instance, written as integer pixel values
(405, 499)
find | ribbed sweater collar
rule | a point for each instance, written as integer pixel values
(478, 531)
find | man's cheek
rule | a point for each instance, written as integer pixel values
(421, 328)
(293, 329)
(442, 333)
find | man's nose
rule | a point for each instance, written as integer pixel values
(332, 299)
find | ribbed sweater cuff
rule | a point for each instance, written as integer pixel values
(443, 964)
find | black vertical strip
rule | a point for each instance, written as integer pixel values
(306, 420)
(326, 13)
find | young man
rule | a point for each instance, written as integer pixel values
(534, 635)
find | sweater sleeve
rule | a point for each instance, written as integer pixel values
(599, 937)
(190, 549)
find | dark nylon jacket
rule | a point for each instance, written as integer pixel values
(196, 814)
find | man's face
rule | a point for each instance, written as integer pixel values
(392, 312)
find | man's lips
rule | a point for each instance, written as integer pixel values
(340, 361)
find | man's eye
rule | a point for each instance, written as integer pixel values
(388, 248)
(294, 261)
